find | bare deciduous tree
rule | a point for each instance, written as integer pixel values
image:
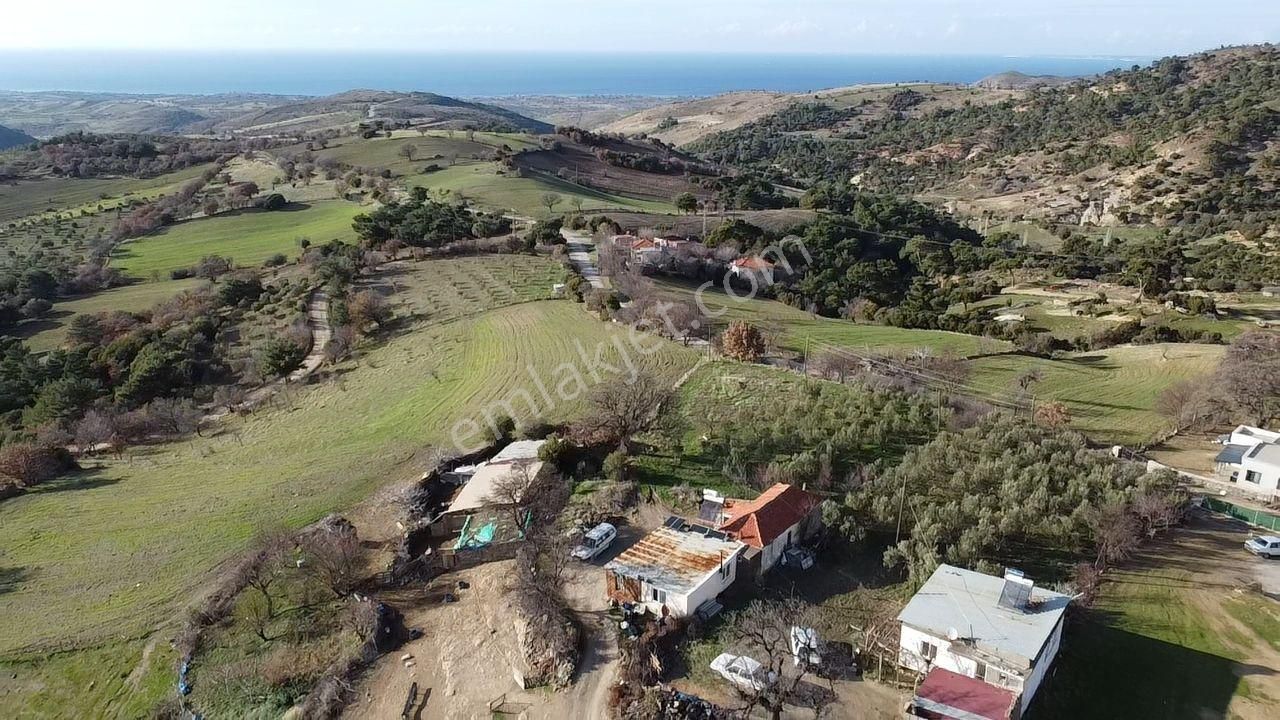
(763, 632)
(332, 553)
(619, 411)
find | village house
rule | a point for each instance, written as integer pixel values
(754, 270)
(781, 517)
(1001, 632)
(1250, 458)
(678, 569)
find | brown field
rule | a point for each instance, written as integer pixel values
(584, 168)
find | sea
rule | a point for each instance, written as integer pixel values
(503, 74)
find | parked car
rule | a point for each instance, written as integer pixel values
(1267, 546)
(595, 541)
(743, 672)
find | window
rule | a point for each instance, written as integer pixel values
(928, 650)
(981, 671)
(659, 595)
(1253, 476)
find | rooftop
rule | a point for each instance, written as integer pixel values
(753, 263)
(1231, 454)
(945, 694)
(476, 493)
(969, 604)
(1264, 454)
(677, 557)
(759, 522)
(518, 450)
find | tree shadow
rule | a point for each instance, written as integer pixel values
(1104, 671)
(79, 480)
(11, 578)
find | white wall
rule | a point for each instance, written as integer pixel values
(772, 552)
(909, 656)
(1043, 663)
(681, 605)
(1269, 481)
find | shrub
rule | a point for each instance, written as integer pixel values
(743, 341)
(280, 355)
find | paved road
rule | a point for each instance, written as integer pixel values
(580, 255)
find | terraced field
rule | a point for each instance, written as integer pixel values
(247, 237)
(110, 554)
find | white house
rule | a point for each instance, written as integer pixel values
(1002, 631)
(1250, 458)
(782, 516)
(674, 569)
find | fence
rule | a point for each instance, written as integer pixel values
(1252, 516)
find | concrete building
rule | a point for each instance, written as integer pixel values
(674, 570)
(782, 516)
(1002, 631)
(1250, 458)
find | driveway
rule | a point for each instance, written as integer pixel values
(580, 245)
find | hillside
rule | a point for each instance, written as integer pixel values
(361, 105)
(47, 114)
(1179, 142)
(587, 111)
(13, 138)
(1014, 80)
(634, 168)
(851, 106)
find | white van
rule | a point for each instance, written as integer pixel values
(595, 541)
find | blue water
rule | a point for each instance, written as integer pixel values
(501, 74)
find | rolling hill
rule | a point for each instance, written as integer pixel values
(1181, 141)
(46, 114)
(13, 138)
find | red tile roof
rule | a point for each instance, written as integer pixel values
(944, 695)
(761, 521)
(753, 263)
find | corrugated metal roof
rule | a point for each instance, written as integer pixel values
(1231, 454)
(968, 602)
(676, 559)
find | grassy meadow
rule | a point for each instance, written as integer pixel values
(67, 197)
(248, 237)
(490, 187)
(49, 332)
(102, 558)
(1111, 393)
(787, 327)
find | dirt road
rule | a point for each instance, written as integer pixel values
(580, 255)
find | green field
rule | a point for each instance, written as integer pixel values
(74, 194)
(48, 333)
(1180, 610)
(482, 184)
(119, 549)
(789, 327)
(1111, 394)
(247, 237)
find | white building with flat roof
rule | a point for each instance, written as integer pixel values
(1003, 631)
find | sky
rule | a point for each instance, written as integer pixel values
(962, 27)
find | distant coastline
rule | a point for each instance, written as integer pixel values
(503, 74)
